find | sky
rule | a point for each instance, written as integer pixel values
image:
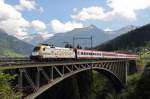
(21, 18)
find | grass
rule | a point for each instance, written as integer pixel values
(11, 53)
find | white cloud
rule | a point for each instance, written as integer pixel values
(119, 8)
(46, 34)
(29, 5)
(94, 12)
(38, 25)
(12, 21)
(58, 26)
(108, 29)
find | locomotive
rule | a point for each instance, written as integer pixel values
(48, 52)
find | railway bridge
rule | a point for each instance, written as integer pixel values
(34, 78)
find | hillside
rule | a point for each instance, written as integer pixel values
(99, 36)
(132, 40)
(11, 46)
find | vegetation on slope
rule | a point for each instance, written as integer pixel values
(10, 45)
(130, 41)
(6, 92)
(144, 54)
(138, 86)
(10, 53)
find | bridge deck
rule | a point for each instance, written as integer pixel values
(6, 66)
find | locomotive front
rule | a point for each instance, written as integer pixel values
(37, 52)
(47, 52)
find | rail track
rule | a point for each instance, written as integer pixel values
(14, 59)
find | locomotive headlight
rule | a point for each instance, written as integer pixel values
(35, 53)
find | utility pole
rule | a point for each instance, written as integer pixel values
(73, 42)
(91, 42)
(68, 43)
(77, 38)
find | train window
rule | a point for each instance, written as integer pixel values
(43, 49)
(86, 53)
(81, 53)
(36, 49)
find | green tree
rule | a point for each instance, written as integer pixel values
(6, 92)
(79, 46)
(68, 45)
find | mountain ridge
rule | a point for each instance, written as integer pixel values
(132, 40)
(99, 35)
(11, 45)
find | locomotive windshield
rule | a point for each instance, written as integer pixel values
(36, 49)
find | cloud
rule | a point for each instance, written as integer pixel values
(108, 29)
(12, 20)
(119, 8)
(58, 26)
(94, 12)
(28, 5)
(128, 8)
(38, 25)
(46, 34)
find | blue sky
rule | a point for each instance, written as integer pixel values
(52, 16)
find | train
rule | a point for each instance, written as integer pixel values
(48, 52)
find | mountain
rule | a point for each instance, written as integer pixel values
(11, 46)
(132, 40)
(98, 35)
(123, 30)
(35, 39)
